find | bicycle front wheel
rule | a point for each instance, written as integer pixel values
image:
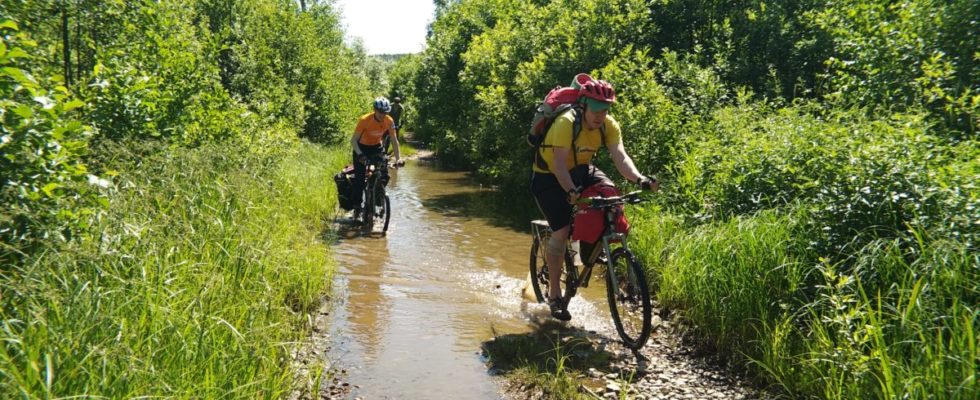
(387, 213)
(540, 279)
(370, 200)
(629, 298)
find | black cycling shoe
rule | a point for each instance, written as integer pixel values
(558, 310)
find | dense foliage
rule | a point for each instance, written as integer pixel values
(819, 158)
(43, 144)
(257, 72)
(147, 150)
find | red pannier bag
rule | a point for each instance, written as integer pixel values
(589, 221)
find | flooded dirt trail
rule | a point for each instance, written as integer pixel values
(413, 307)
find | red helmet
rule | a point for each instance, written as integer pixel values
(599, 90)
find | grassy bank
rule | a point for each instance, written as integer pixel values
(195, 282)
(897, 319)
(894, 320)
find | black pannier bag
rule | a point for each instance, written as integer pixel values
(344, 187)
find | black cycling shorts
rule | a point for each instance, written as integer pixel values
(553, 200)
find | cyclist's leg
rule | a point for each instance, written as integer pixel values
(553, 204)
(555, 255)
(360, 172)
(357, 186)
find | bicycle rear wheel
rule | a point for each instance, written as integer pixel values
(540, 280)
(629, 298)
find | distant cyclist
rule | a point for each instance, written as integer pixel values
(371, 129)
(396, 113)
(570, 170)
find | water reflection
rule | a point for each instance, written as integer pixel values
(414, 307)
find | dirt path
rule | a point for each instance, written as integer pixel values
(465, 321)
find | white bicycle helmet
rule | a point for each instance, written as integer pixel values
(382, 104)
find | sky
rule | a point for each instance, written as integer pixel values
(387, 26)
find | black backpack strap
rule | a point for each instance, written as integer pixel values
(538, 160)
(576, 130)
(576, 127)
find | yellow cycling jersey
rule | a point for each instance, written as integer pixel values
(587, 144)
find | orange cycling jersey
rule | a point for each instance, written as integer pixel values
(372, 130)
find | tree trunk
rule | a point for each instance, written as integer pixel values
(66, 43)
(78, 43)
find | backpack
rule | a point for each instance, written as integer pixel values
(558, 101)
(345, 187)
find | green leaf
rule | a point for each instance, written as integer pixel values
(17, 52)
(24, 111)
(71, 105)
(50, 188)
(19, 75)
(3, 49)
(9, 25)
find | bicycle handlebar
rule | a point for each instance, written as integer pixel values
(382, 159)
(605, 202)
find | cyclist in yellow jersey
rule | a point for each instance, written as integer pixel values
(569, 170)
(371, 129)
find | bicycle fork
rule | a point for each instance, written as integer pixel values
(607, 250)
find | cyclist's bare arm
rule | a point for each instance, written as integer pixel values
(353, 142)
(395, 145)
(559, 167)
(624, 164)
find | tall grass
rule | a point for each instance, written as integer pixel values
(899, 319)
(725, 276)
(896, 325)
(196, 282)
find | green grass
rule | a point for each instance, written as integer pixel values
(197, 282)
(898, 319)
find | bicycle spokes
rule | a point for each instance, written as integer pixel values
(629, 299)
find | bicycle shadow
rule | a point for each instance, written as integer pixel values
(551, 347)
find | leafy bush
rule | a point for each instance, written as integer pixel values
(42, 144)
(910, 53)
(789, 137)
(866, 178)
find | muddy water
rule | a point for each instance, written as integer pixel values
(413, 307)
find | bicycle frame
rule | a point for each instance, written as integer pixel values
(376, 202)
(609, 235)
(626, 283)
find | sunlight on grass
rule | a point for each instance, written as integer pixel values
(197, 282)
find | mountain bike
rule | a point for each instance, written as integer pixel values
(377, 205)
(626, 281)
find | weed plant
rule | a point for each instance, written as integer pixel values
(196, 282)
(892, 321)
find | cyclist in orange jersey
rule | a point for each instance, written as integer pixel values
(371, 130)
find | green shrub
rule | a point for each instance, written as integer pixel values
(45, 183)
